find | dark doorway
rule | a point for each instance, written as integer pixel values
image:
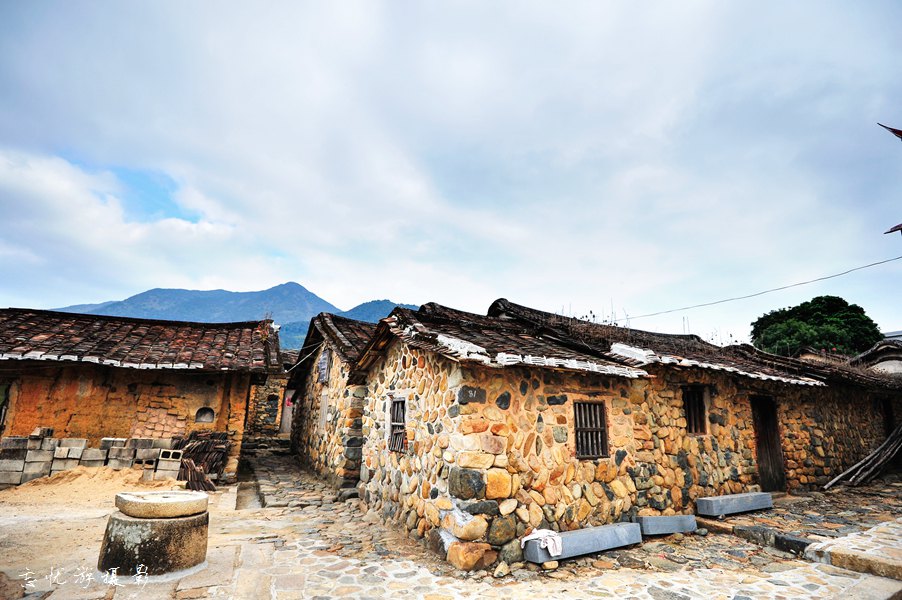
(767, 440)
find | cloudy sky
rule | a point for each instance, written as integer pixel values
(572, 157)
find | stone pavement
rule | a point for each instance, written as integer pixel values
(303, 543)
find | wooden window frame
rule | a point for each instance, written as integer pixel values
(397, 424)
(590, 428)
(695, 409)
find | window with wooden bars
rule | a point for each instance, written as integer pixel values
(591, 430)
(694, 409)
(397, 432)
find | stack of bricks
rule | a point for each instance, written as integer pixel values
(38, 455)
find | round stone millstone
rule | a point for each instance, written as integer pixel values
(161, 505)
(159, 545)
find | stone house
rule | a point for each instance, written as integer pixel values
(90, 376)
(883, 357)
(477, 427)
(326, 429)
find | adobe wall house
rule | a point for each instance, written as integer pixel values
(326, 428)
(477, 427)
(91, 376)
(883, 357)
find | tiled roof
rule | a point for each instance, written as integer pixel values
(27, 334)
(479, 339)
(348, 336)
(641, 348)
(881, 350)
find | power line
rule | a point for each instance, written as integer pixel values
(777, 289)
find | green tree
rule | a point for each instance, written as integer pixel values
(823, 323)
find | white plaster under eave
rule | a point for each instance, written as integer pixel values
(649, 356)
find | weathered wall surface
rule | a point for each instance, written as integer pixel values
(492, 452)
(93, 402)
(264, 416)
(326, 431)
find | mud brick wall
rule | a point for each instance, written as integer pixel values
(265, 410)
(93, 401)
(492, 452)
(326, 428)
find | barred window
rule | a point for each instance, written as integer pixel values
(591, 430)
(397, 435)
(694, 409)
(323, 366)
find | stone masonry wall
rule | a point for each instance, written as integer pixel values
(492, 452)
(265, 411)
(326, 431)
(93, 402)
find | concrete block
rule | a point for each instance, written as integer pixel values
(10, 477)
(34, 443)
(121, 453)
(171, 454)
(145, 463)
(667, 525)
(93, 454)
(91, 463)
(37, 467)
(13, 453)
(26, 477)
(147, 453)
(42, 432)
(49, 444)
(147, 475)
(39, 456)
(12, 465)
(14, 442)
(63, 464)
(60, 452)
(107, 443)
(168, 465)
(733, 503)
(163, 443)
(74, 443)
(139, 443)
(74, 452)
(586, 541)
(167, 474)
(119, 463)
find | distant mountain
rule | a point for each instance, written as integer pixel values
(292, 335)
(289, 304)
(283, 303)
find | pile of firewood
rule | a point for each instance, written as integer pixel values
(195, 477)
(871, 465)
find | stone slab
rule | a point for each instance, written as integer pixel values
(10, 477)
(39, 456)
(667, 525)
(586, 541)
(139, 443)
(107, 443)
(13, 453)
(118, 463)
(729, 504)
(74, 443)
(63, 464)
(14, 442)
(37, 467)
(121, 453)
(12, 465)
(168, 465)
(93, 454)
(147, 453)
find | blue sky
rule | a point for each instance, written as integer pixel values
(586, 156)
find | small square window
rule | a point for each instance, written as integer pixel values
(591, 430)
(397, 435)
(694, 409)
